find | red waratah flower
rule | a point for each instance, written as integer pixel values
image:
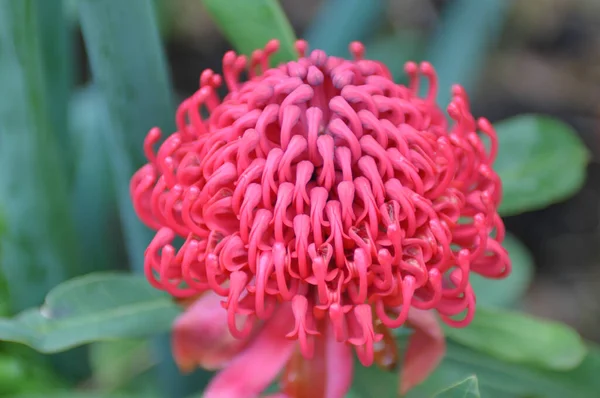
(320, 203)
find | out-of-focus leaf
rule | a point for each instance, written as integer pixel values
(39, 248)
(146, 384)
(353, 394)
(56, 47)
(397, 49)
(165, 16)
(85, 394)
(93, 197)
(129, 69)
(467, 388)
(12, 375)
(459, 47)
(94, 307)
(521, 338)
(498, 379)
(508, 291)
(4, 297)
(249, 25)
(339, 22)
(541, 161)
(374, 382)
(115, 363)
(20, 374)
(186, 385)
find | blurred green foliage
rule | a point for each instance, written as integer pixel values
(339, 22)
(467, 388)
(518, 338)
(90, 308)
(532, 164)
(253, 24)
(67, 154)
(130, 72)
(39, 248)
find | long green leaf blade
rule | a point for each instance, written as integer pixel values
(92, 188)
(39, 247)
(129, 69)
(249, 25)
(339, 22)
(459, 47)
(396, 49)
(55, 33)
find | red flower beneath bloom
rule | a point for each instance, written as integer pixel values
(323, 200)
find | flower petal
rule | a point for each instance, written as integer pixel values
(425, 350)
(339, 367)
(250, 372)
(201, 336)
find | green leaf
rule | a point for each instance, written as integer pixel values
(115, 363)
(4, 296)
(353, 394)
(165, 15)
(23, 373)
(84, 394)
(467, 388)
(506, 292)
(459, 47)
(94, 307)
(498, 379)
(519, 338)
(249, 25)
(172, 382)
(93, 195)
(339, 22)
(397, 49)
(129, 69)
(40, 247)
(12, 374)
(540, 161)
(374, 382)
(56, 46)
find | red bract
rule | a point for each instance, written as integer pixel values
(323, 187)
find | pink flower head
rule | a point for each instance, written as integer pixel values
(323, 203)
